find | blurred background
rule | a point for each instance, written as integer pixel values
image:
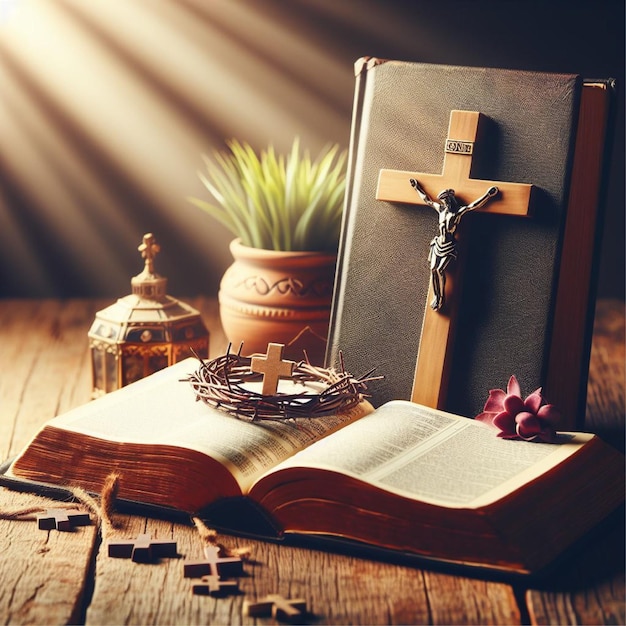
(106, 107)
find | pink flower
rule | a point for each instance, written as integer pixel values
(530, 419)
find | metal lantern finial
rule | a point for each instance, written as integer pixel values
(149, 249)
(145, 331)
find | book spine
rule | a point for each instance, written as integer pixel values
(362, 68)
(566, 381)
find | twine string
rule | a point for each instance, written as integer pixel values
(102, 511)
(208, 536)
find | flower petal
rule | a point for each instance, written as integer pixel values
(549, 413)
(534, 401)
(513, 404)
(513, 387)
(495, 401)
(527, 425)
(486, 417)
(505, 422)
(545, 435)
(532, 428)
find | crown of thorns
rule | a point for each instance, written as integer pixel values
(220, 382)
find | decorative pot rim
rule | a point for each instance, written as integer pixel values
(238, 250)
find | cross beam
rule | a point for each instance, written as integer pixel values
(213, 565)
(434, 357)
(213, 570)
(514, 198)
(278, 607)
(63, 519)
(215, 586)
(272, 367)
(143, 549)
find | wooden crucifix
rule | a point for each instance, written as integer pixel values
(505, 198)
(272, 367)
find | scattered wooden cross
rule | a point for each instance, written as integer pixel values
(277, 607)
(63, 519)
(272, 367)
(214, 586)
(434, 358)
(214, 565)
(143, 549)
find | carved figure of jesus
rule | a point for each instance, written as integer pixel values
(443, 246)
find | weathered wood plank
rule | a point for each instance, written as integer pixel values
(20, 333)
(44, 365)
(43, 574)
(606, 403)
(598, 605)
(339, 589)
(458, 600)
(43, 371)
(59, 376)
(592, 588)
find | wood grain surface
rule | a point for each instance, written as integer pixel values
(49, 577)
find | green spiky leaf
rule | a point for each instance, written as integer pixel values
(276, 202)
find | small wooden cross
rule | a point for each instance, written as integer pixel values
(143, 549)
(214, 586)
(279, 608)
(63, 519)
(272, 367)
(214, 565)
(434, 358)
(149, 249)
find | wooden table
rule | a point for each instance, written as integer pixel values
(48, 577)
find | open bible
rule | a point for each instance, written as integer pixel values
(402, 477)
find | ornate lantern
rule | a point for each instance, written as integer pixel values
(143, 332)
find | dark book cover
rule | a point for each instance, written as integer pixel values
(400, 122)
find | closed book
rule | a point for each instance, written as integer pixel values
(512, 279)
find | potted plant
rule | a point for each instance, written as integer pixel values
(285, 212)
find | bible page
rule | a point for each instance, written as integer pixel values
(162, 410)
(433, 456)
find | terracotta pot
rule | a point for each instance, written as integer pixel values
(281, 297)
